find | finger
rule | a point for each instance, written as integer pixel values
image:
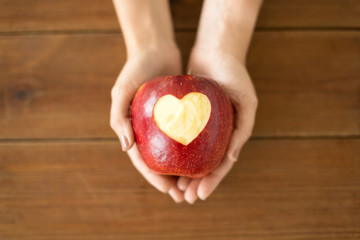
(244, 123)
(191, 191)
(176, 194)
(120, 116)
(211, 181)
(183, 183)
(161, 182)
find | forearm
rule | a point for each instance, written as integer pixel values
(227, 25)
(144, 24)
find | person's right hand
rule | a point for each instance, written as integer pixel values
(139, 68)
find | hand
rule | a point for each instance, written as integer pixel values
(140, 67)
(230, 72)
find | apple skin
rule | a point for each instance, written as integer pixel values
(164, 155)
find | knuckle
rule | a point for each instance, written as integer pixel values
(255, 101)
(121, 91)
(252, 100)
(231, 157)
(114, 123)
(249, 100)
(247, 135)
(115, 91)
(118, 88)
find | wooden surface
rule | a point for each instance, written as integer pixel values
(280, 189)
(63, 175)
(295, 74)
(89, 15)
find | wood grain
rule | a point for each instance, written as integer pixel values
(63, 175)
(281, 189)
(58, 86)
(54, 82)
(76, 15)
(308, 83)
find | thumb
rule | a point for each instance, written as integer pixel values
(244, 122)
(120, 120)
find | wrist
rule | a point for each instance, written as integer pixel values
(148, 34)
(227, 26)
(145, 24)
(219, 50)
(159, 46)
(225, 37)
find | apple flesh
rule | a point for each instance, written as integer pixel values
(182, 124)
(184, 119)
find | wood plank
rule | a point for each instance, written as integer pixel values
(310, 14)
(279, 189)
(57, 86)
(308, 83)
(70, 15)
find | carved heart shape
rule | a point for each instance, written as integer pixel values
(182, 120)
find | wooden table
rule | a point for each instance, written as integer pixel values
(62, 172)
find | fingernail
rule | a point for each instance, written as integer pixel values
(190, 201)
(124, 143)
(181, 186)
(173, 196)
(236, 154)
(203, 198)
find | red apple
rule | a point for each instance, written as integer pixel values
(182, 124)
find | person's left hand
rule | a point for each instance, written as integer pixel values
(232, 75)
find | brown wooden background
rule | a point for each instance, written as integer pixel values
(63, 175)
